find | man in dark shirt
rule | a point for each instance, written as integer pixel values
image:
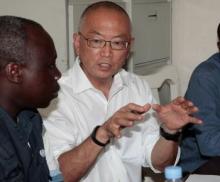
(202, 142)
(28, 80)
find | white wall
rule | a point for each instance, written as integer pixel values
(194, 35)
(193, 30)
(49, 13)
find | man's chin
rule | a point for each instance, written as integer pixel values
(44, 105)
(51, 103)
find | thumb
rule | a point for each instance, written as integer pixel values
(156, 107)
(147, 107)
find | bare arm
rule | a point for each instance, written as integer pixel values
(174, 117)
(75, 163)
(164, 153)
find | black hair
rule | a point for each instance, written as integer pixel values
(13, 38)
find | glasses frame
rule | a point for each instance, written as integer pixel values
(104, 41)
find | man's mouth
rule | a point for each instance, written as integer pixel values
(105, 66)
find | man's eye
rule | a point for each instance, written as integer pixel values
(118, 42)
(96, 41)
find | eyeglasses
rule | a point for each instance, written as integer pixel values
(100, 43)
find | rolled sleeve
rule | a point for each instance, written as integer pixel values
(59, 137)
(152, 135)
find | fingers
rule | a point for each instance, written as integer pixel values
(123, 120)
(125, 117)
(176, 114)
(178, 100)
(187, 105)
(131, 107)
(191, 110)
(182, 102)
(156, 107)
(195, 120)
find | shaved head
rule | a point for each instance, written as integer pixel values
(101, 5)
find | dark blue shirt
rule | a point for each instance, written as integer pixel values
(22, 157)
(200, 142)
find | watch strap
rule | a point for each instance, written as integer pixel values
(94, 139)
(173, 137)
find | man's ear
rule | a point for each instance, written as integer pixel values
(218, 44)
(14, 72)
(76, 43)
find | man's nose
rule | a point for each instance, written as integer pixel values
(106, 50)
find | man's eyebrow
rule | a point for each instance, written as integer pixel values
(122, 36)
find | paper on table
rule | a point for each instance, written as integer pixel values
(203, 178)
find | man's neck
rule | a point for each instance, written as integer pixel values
(12, 111)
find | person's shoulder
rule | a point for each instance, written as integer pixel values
(66, 82)
(131, 77)
(66, 77)
(135, 81)
(208, 67)
(72, 80)
(138, 87)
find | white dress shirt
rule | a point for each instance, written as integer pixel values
(80, 107)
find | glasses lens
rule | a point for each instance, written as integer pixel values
(96, 43)
(118, 45)
(99, 43)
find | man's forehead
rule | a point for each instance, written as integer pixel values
(104, 10)
(105, 16)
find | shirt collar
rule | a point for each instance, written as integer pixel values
(81, 83)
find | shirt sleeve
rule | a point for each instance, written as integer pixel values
(204, 92)
(60, 134)
(151, 133)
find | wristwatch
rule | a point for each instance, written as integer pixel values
(93, 137)
(168, 136)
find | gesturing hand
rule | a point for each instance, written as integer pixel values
(124, 117)
(176, 114)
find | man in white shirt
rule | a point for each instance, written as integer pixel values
(102, 129)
